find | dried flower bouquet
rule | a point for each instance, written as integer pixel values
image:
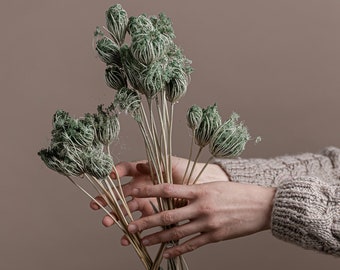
(149, 75)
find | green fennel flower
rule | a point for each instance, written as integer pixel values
(139, 25)
(211, 120)
(108, 51)
(194, 117)
(229, 139)
(116, 22)
(132, 68)
(164, 25)
(114, 77)
(149, 46)
(106, 125)
(127, 100)
(97, 163)
(154, 79)
(176, 87)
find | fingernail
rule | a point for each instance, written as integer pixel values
(145, 242)
(132, 228)
(166, 255)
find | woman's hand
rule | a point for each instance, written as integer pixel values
(215, 211)
(140, 173)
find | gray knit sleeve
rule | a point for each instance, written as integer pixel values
(306, 208)
(306, 212)
(271, 172)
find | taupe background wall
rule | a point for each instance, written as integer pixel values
(276, 63)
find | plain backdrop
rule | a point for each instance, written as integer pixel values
(276, 63)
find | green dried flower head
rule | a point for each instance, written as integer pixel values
(62, 160)
(139, 25)
(108, 51)
(72, 131)
(107, 125)
(194, 117)
(177, 59)
(97, 163)
(115, 78)
(211, 120)
(149, 47)
(116, 22)
(153, 79)
(230, 139)
(133, 69)
(164, 25)
(128, 100)
(176, 87)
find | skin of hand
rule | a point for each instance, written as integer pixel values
(217, 209)
(140, 173)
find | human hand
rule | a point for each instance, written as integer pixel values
(140, 173)
(215, 211)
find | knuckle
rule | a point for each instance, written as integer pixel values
(213, 224)
(167, 190)
(167, 218)
(206, 210)
(143, 224)
(177, 234)
(188, 248)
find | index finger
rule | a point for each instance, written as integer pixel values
(125, 169)
(166, 191)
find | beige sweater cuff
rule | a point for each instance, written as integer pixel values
(306, 212)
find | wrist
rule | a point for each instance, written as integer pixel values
(268, 202)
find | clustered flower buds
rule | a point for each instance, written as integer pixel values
(152, 67)
(151, 64)
(224, 140)
(229, 139)
(116, 22)
(77, 144)
(128, 100)
(211, 120)
(194, 117)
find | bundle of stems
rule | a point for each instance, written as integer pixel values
(149, 76)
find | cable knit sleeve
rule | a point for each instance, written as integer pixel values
(306, 208)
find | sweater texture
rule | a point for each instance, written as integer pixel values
(306, 209)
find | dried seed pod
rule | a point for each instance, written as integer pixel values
(97, 163)
(132, 68)
(139, 25)
(164, 25)
(194, 117)
(63, 162)
(177, 85)
(108, 51)
(153, 79)
(127, 100)
(115, 78)
(211, 120)
(106, 125)
(149, 47)
(229, 139)
(116, 22)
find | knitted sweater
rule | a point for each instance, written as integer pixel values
(306, 208)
